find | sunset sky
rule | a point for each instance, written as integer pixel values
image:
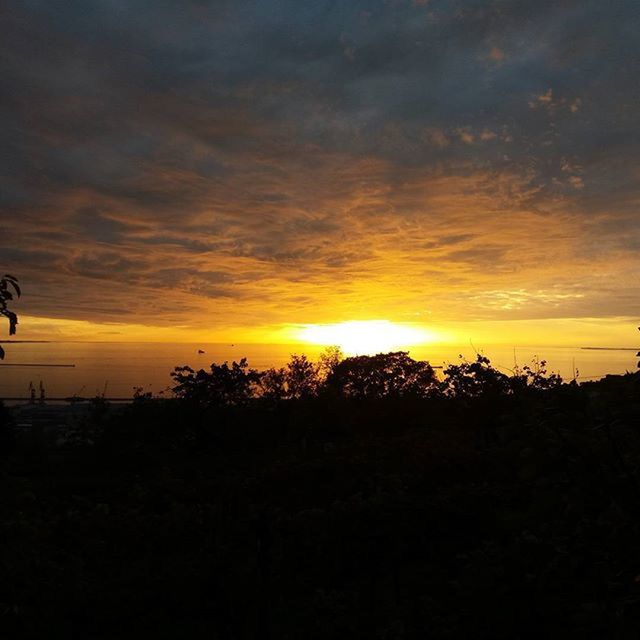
(237, 170)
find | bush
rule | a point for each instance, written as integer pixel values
(224, 386)
(383, 375)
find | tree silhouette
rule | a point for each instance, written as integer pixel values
(8, 287)
(302, 377)
(481, 378)
(224, 386)
(329, 359)
(273, 384)
(383, 375)
(478, 378)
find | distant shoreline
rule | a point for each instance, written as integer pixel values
(25, 341)
(610, 348)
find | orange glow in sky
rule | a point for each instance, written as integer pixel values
(228, 191)
(360, 337)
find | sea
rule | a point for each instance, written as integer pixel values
(114, 370)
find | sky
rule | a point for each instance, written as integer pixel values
(232, 169)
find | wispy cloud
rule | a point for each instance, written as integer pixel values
(219, 163)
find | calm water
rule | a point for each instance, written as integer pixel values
(119, 367)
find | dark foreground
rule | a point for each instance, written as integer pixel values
(488, 517)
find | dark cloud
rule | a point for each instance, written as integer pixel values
(320, 157)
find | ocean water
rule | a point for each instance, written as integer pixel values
(116, 368)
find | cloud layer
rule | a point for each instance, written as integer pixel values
(213, 163)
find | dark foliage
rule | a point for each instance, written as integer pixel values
(7, 439)
(381, 376)
(490, 510)
(473, 379)
(301, 376)
(384, 375)
(8, 289)
(480, 378)
(273, 384)
(224, 385)
(238, 384)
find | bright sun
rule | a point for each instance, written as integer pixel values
(365, 337)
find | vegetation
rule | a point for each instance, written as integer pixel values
(8, 288)
(385, 375)
(382, 376)
(224, 386)
(349, 498)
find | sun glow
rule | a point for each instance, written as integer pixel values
(366, 337)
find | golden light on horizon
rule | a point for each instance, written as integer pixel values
(366, 337)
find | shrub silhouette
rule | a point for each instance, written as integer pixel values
(392, 374)
(301, 376)
(473, 379)
(535, 377)
(224, 386)
(235, 385)
(297, 380)
(480, 378)
(273, 384)
(329, 359)
(384, 375)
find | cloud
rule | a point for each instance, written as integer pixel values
(211, 163)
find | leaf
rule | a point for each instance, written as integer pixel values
(13, 321)
(16, 288)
